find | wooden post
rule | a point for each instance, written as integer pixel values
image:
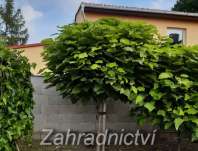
(17, 147)
(102, 109)
(179, 141)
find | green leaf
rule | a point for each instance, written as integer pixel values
(99, 61)
(113, 40)
(191, 111)
(4, 100)
(139, 99)
(33, 65)
(75, 90)
(167, 125)
(184, 75)
(125, 92)
(156, 94)
(187, 97)
(178, 122)
(161, 112)
(178, 111)
(195, 120)
(130, 49)
(9, 135)
(95, 66)
(165, 75)
(121, 70)
(95, 48)
(141, 120)
(111, 65)
(98, 89)
(141, 89)
(125, 41)
(150, 106)
(134, 89)
(81, 55)
(187, 83)
(170, 84)
(111, 73)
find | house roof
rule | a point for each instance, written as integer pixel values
(26, 46)
(125, 10)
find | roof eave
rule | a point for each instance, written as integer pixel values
(138, 11)
(26, 46)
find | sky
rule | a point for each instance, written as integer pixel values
(44, 16)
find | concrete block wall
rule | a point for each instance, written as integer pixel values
(52, 111)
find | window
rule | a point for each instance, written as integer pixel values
(178, 35)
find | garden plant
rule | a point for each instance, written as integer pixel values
(16, 98)
(126, 61)
(169, 95)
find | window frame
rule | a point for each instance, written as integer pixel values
(184, 33)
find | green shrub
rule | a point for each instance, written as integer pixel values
(88, 60)
(169, 96)
(16, 101)
(127, 61)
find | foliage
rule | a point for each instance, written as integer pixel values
(86, 61)
(16, 101)
(12, 24)
(186, 6)
(169, 88)
(127, 61)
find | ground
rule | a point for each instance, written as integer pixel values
(163, 146)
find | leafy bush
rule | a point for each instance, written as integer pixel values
(169, 88)
(127, 61)
(86, 61)
(16, 101)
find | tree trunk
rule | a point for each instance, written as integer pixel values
(179, 142)
(102, 108)
(17, 147)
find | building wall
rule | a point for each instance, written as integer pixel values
(79, 16)
(54, 112)
(34, 56)
(34, 53)
(161, 23)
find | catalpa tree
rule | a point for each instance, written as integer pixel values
(94, 60)
(119, 60)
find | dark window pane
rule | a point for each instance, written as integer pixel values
(175, 38)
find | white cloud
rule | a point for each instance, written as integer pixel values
(89, 1)
(73, 4)
(162, 4)
(30, 14)
(158, 4)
